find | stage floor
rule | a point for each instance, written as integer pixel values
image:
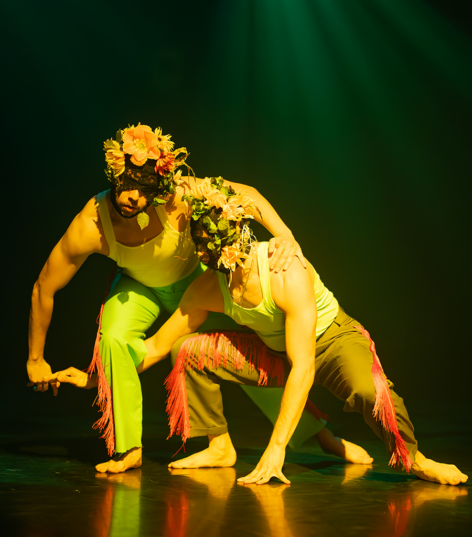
(50, 488)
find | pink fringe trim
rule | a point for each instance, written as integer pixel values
(384, 409)
(213, 350)
(104, 397)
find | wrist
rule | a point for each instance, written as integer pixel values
(37, 358)
(277, 444)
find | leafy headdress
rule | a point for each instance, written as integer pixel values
(142, 159)
(220, 224)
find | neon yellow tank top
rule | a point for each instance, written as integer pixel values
(266, 319)
(154, 263)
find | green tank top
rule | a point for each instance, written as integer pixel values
(266, 319)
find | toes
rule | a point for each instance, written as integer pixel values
(102, 468)
(116, 468)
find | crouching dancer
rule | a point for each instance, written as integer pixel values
(142, 224)
(291, 312)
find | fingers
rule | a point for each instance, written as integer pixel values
(300, 256)
(42, 386)
(282, 478)
(282, 253)
(282, 256)
(263, 476)
(72, 376)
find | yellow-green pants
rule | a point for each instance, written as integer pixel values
(343, 364)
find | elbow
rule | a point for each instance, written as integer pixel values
(36, 290)
(306, 375)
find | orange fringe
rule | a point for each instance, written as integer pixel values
(213, 350)
(384, 409)
(104, 398)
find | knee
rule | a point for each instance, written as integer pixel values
(362, 393)
(114, 336)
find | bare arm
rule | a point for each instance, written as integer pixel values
(295, 296)
(82, 238)
(185, 320)
(202, 296)
(282, 247)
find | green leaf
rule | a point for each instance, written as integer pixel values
(158, 201)
(210, 246)
(209, 225)
(223, 226)
(143, 220)
(119, 136)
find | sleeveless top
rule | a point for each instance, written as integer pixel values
(266, 319)
(154, 263)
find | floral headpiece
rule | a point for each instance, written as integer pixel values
(142, 159)
(219, 225)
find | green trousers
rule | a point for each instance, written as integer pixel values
(130, 310)
(343, 365)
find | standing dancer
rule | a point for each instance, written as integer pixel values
(142, 224)
(295, 316)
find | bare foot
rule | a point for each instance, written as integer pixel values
(131, 459)
(342, 448)
(429, 470)
(219, 454)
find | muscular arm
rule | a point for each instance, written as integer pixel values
(282, 247)
(201, 297)
(295, 296)
(82, 238)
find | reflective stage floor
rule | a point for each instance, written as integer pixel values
(49, 488)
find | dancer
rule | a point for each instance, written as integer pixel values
(142, 224)
(294, 315)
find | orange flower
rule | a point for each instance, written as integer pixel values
(232, 212)
(141, 143)
(165, 163)
(204, 189)
(216, 199)
(231, 256)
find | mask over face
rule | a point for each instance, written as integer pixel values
(142, 178)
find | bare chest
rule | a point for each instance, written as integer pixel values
(245, 289)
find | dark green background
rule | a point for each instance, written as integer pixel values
(351, 116)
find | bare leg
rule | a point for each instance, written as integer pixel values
(342, 448)
(429, 470)
(130, 459)
(219, 454)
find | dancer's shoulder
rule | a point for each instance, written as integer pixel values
(85, 234)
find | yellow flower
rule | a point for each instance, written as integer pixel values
(163, 141)
(115, 157)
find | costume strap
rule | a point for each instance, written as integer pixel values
(264, 276)
(384, 409)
